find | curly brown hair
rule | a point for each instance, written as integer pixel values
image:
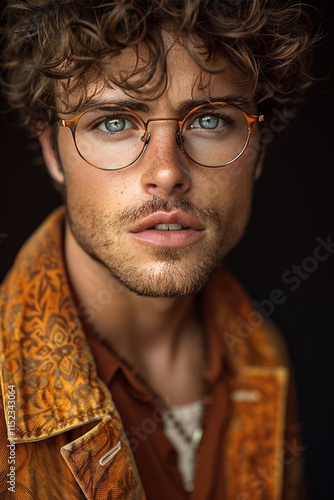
(73, 43)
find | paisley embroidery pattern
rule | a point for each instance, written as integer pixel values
(44, 353)
(44, 342)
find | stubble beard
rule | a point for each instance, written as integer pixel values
(170, 278)
(175, 272)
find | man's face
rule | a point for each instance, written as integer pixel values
(115, 217)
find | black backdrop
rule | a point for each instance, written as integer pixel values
(293, 208)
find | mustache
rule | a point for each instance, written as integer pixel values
(158, 204)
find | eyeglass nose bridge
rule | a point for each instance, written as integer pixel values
(179, 137)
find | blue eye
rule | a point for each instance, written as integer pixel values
(209, 122)
(114, 124)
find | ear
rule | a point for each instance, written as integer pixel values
(50, 156)
(259, 165)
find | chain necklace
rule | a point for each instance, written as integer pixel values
(195, 438)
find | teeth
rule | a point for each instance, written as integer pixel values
(169, 227)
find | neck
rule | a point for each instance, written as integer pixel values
(135, 326)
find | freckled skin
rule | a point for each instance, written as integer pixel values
(98, 201)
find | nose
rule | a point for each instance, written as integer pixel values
(166, 168)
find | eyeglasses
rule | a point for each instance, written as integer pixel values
(112, 137)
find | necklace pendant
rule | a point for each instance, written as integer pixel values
(196, 437)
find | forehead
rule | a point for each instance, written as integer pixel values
(181, 80)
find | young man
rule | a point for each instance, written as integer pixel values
(133, 365)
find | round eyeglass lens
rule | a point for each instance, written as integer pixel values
(109, 138)
(214, 136)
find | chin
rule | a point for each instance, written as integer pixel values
(169, 280)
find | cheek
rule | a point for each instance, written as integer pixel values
(232, 184)
(230, 192)
(87, 186)
(99, 191)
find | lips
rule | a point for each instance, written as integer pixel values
(168, 221)
(168, 230)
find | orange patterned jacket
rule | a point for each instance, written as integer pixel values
(61, 436)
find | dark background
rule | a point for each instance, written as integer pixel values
(293, 206)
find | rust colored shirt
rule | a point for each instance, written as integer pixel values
(155, 456)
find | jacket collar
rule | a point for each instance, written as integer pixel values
(44, 351)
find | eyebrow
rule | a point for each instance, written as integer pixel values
(186, 106)
(102, 105)
(182, 109)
